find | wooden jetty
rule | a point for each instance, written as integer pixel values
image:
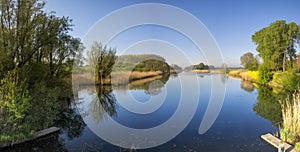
(38, 134)
(277, 143)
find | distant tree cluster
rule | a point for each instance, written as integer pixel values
(129, 58)
(152, 65)
(200, 66)
(143, 62)
(175, 68)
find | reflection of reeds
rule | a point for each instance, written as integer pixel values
(247, 85)
(291, 119)
(124, 77)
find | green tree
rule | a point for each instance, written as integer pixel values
(36, 52)
(276, 44)
(249, 61)
(102, 59)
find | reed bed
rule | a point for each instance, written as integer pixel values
(290, 131)
(123, 77)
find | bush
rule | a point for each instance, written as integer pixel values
(14, 108)
(265, 74)
(289, 80)
(253, 74)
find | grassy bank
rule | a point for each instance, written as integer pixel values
(117, 77)
(290, 131)
(251, 76)
(288, 80)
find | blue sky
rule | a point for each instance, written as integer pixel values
(231, 23)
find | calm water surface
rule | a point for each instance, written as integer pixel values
(244, 117)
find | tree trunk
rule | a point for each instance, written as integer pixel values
(284, 61)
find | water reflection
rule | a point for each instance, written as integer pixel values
(268, 105)
(103, 105)
(71, 122)
(224, 78)
(247, 86)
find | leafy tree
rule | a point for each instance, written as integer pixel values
(36, 52)
(102, 59)
(152, 65)
(276, 44)
(249, 61)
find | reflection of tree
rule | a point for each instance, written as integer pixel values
(71, 122)
(224, 78)
(247, 86)
(104, 104)
(268, 105)
(48, 143)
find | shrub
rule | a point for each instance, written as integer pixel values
(14, 107)
(289, 80)
(297, 146)
(265, 74)
(253, 74)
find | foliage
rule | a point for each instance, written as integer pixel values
(254, 75)
(14, 107)
(36, 54)
(200, 66)
(249, 61)
(102, 59)
(297, 146)
(276, 44)
(265, 74)
(175, 68)
(152, 65)
(142, 63)
(291, 119)
(289, 80)
(129, 58)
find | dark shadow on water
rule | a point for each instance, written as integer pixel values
(71, 123)
(268, 105)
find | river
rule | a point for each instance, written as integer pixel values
(246, 114)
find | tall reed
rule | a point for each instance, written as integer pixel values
(290, 131)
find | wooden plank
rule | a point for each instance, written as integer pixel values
(274, 141)
(45, 132)
(39, 134)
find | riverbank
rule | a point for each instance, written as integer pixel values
(117, 77)
(280, 80)
(37, 135)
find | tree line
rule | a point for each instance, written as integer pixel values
(276, 47)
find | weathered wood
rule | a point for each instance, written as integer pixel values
(45, 132)
(39, 134)
(274, 141)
